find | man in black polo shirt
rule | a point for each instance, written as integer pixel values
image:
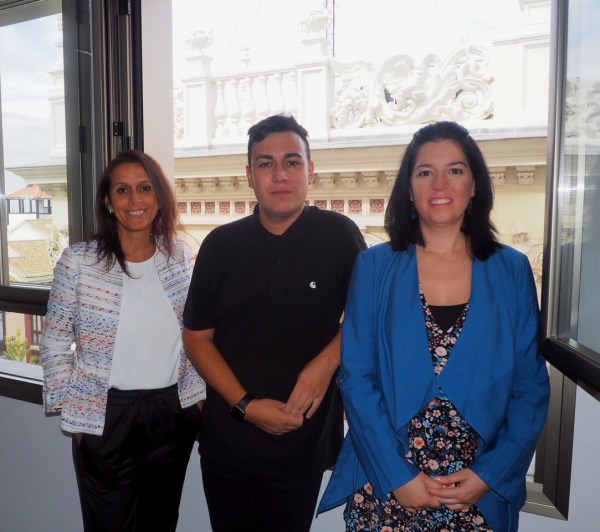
(262, 323)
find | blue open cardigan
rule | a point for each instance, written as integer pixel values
(495, 375)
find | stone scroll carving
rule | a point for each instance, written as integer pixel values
(404, 91)
(582, 108)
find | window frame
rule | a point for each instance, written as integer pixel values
(571, 363)
(576, 361)
(548, 495)
(31, 299)
(100, 88)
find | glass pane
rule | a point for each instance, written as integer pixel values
(19, 345)
(579, 181)
(32, 144)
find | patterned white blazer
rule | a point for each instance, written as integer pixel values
(80, 329)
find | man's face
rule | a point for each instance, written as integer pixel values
(280, 174)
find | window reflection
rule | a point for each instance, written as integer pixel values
(579, 182)
(33, 192)
(32, 151)
(19, 337)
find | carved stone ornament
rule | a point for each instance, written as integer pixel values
(498, 176)
(315, 22)
(194, 185)
(404, 91)
(211, 184)
(525, 175)
(199, 41)
(349, 181)
(351, 106)
(371, 180)
(327, 181)
(228, 184)
(582, 108)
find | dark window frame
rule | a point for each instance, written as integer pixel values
(99, 40)
(548, 495)
(576, 361)
(36, 328)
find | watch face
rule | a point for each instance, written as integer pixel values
(237, 413)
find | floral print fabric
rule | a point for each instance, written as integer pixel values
(441, 442)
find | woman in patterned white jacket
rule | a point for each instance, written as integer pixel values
(113, 360)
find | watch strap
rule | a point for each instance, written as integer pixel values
(238, 410)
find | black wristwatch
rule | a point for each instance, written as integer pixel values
(238, 411)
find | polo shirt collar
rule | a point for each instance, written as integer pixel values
(293, 231)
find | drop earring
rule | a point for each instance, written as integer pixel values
(413, 213)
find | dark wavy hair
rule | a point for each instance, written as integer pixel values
(276, 124)
(164, 227)
(477, 226)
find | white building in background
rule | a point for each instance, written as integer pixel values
(513, 139)
(360, 116)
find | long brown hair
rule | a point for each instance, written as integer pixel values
(164, 227)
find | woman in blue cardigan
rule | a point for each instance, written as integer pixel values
(444, 389)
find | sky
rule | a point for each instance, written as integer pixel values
(368, 30)
(584, 40)
(25, 59)
(364, 30)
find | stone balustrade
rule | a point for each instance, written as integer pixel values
(338, 102)
(335, 99)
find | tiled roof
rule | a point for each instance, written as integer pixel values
(29, 192)
(29, 262)
(28, 256)
(32, 229)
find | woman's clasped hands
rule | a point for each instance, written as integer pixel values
(457, 491)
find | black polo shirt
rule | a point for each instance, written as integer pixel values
(274, 302)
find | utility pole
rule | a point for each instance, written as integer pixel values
(331, 28)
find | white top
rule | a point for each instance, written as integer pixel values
(148, 342)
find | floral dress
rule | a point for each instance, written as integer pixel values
(440, 441)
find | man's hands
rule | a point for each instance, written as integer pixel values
(310, 388)
(270, 415)
(275, 417)
(314, 379)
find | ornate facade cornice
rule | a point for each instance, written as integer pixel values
(525, 175)
(345, 184)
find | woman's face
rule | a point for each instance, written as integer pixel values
(441, 184)
(133, 199)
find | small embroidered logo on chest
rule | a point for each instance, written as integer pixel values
(313, 285)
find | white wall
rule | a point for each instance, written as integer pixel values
(158, 83)
(38, 491)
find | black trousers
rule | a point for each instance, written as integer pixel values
(239, 502)
(130, 479)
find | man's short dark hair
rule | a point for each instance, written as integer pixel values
(276, 124)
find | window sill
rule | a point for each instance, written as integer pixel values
(21, 381)
(21, 389)
(575, 361)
